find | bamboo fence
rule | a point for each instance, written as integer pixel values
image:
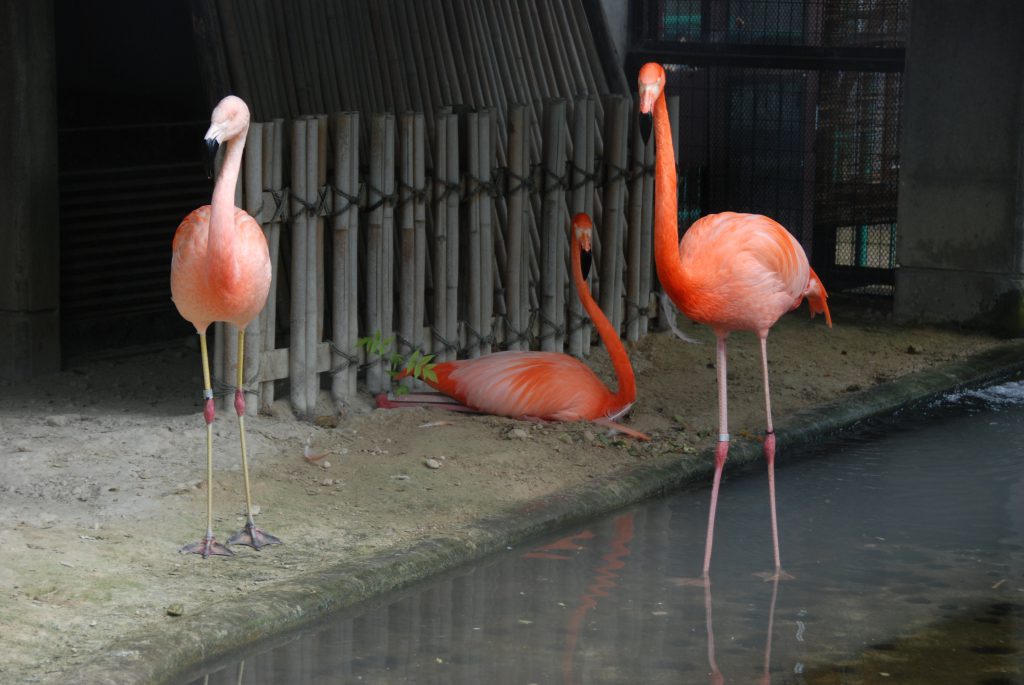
(458, 259)
(432, 206)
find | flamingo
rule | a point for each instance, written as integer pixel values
(542, 385)
(732, 272)
(220, 271)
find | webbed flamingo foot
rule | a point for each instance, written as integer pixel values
(253, 537)
(207, 547)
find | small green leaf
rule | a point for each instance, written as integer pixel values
(402, 390)
(429, 374)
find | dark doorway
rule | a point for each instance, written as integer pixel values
(132, 112)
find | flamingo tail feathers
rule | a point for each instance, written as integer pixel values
(817, 298)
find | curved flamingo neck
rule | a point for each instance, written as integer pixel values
(626, 394)
(222, 206)
(666, 208)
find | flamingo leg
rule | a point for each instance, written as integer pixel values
(721, 451)
(207, 545)
(249, 535)
(625, 430)
(769, 456)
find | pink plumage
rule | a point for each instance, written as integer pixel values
(544, 385)
(730, 271)
(231, 288)
(221, 271)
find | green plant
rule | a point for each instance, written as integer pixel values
(418, 365)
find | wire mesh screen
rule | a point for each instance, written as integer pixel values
(828, 23)
(745, 141)
(790, 108)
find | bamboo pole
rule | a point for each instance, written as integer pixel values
(452, 79)
(582, 201)
(517, 277)
(345, 224)
(427, 53)
(505, 61)
(231, 36)
(419, 177)
(485, 161)
(314, 264)
(254, 206)
(380, 27)
(466, 62)
(379, 256)
(634, 228)
(554, 46)
(300, 265)
(407, 244)
(617, 110)
(284, 50)
(273, 149)
(647, 239)
(473, 288)
(446, 248)
(552, 230)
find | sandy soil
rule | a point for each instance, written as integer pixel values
(103, 469)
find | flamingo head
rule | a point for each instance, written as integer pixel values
(230, 119)
(650, 85)
(583, 229)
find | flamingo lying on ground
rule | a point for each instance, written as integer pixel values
(541, 385)
(733, 272)
(220, 271)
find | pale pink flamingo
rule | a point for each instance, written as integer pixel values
(542, 385)
(733, 272)
(220, 271)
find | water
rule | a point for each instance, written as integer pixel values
(906, 545)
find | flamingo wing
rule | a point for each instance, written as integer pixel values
(542, 385)
(233, 287)
(745, 271)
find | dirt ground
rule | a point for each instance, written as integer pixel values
(103, 470)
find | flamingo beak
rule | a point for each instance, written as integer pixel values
(211, 155)
(645, 123)
(585, 262)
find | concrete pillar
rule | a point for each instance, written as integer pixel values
(29, 217)
(961, 202)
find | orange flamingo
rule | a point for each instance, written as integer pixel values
(220, 271)
(542, 385)
(733, 272)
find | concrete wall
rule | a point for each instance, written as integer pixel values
(961, 224)
(29, 257)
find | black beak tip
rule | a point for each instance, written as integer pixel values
(645, 124)
(585, 261)
(211, 155)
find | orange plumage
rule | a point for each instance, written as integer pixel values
(741, 272)
(732, 272)
(208, 287)
(546, 385)
(221, 271)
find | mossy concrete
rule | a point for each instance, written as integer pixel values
(166, 654)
